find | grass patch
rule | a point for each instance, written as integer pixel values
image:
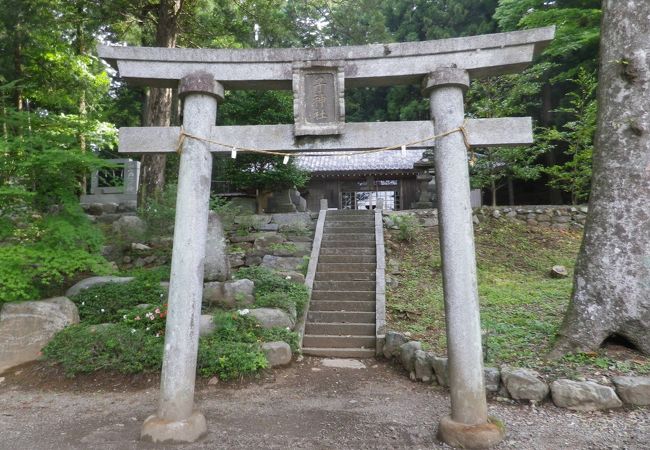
(275, 291)
(522, 307)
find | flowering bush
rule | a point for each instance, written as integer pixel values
(106, 302)
(151, 320)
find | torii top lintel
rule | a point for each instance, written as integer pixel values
(364, 65)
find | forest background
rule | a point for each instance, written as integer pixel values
(60, 106)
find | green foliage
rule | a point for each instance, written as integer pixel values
(82, 349)
(273, 290)
(280, 334)
(151, 319)
(407, 226)
(267, 173)
(107, 302)
(229, 360)
(159, 212)
(576, 138)
(40, 252)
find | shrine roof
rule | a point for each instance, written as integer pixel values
(381, 161)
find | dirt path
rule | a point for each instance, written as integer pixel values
(306, 406)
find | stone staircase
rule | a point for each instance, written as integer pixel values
(341, 317)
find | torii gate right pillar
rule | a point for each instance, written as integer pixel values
(468, 426)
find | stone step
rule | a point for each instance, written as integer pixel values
(342, 305)
(370, 229)
(344, 296)
(344, 286)
(339, 329)
(346, 259)
(340, 352)
(345, 244)
(323, 268)
(350, 212)
(349, 237)
(341, 316)
(352, 251)
(324, 341)
(349, 221)
(345, 276)
(338, 225)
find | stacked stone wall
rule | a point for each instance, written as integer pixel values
(554, 216)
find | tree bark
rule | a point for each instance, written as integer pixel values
(158, 108)
(611, 293)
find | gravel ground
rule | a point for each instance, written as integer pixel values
(305, 406)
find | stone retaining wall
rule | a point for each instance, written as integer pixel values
(511, 384)
(554, 216)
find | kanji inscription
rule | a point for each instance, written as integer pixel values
(318, 100)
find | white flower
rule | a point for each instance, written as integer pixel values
(124, 317)
(147, 328)
(243, 312)
(288, 329)
(83, 303)
(102, 310)
(288, 277)
(132, 330)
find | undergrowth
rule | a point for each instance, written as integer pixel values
(522, 307)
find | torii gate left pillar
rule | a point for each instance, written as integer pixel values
(176, 419)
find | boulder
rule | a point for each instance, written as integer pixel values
(392, 343)
(26, 327)
(252, 260)
(272, 317)
(423, 369)
(229, 294)
(492, 377)
(633, 390)
(236, 260)
(524, 384)
(206, 325)
(281, 263)
(217, 263)
(440, 369)
(93, 281)
(130, 227)
(583, 395)
(559, 272)
(407, 355)
(290, 221)
(294, 277)
(277, 353)
(266, 241)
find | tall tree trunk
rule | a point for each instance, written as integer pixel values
(554, 194)
(511, 191)
(159, 104)
(611, 293)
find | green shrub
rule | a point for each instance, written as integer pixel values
(83, 349)
(273, 290)
(159, 212)
(152, 319)
(42, 253)
(106, 302)
(229, 360)
(407, 225)
(280, 334)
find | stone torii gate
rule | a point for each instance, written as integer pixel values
(317, 77)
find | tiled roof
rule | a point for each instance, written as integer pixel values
(388, 160)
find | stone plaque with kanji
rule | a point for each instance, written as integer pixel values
(318, 100)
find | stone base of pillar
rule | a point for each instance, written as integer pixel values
(462, 435)
(191, 429)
